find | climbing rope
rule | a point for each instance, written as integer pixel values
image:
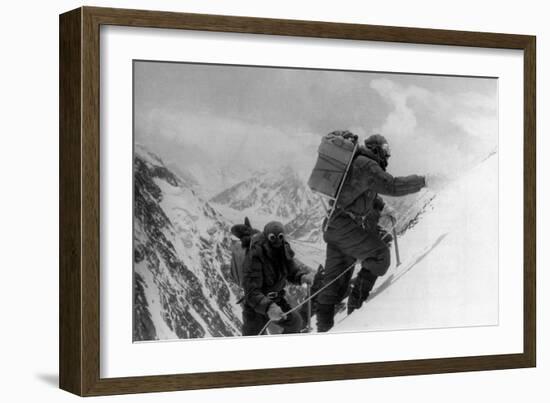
(318, 291)
(310, 297)
(394, 225)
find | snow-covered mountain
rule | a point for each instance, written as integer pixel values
(210, 178)
(181, 286)
(280, 194)
(182, 241)
(449, 271)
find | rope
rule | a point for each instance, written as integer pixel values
(395, 222)
(307, 244)
(311, 296)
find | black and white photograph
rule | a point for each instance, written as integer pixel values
(269, 202)
(274, 200)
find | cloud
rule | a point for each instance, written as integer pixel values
(263, 118)
(223, 141)
(436, 132)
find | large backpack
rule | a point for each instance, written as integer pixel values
(335, 155)
(247, 237)
(238, 254)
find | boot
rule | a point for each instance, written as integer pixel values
(325, 317)
(354, 299)
(360, 290)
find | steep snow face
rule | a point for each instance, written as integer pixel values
(181, 287)
(449, 271)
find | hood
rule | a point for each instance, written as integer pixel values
(261, 245)
(369, 154)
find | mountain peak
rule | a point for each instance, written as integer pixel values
(279, 193)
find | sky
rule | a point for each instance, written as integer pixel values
(239, 119)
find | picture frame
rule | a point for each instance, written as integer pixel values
(80, 199)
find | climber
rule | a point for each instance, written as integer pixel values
(269, 264)
(353, 234)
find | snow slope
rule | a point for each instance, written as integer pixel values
(449, 271)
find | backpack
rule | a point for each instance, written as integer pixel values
(335, 155)
(247, 236)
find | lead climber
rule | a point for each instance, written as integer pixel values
(353, 234)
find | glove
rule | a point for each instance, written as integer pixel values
(378, 203)
(434, 181)
(307, 278)
(389, 211)
(385, 236)
(370, 222)
(274, 312)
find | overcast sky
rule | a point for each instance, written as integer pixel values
(257, 117)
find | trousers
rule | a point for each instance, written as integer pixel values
(348, 242)
(253, 322)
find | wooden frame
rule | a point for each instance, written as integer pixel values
(79, 200)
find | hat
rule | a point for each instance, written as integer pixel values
(273, 227)
(375, 140)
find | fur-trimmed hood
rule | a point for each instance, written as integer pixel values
(362, 150)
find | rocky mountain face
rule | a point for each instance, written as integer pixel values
(181, 287)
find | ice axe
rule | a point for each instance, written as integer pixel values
(308, 327)
(394, 231)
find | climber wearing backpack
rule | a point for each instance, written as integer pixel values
(268, 266)
(245, 233)
(352, 232)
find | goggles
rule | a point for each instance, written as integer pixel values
(272, 237)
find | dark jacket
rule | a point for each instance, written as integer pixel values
(267, 270)
(367, 179)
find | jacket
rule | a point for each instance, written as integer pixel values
(367, 179)
(267, 270)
